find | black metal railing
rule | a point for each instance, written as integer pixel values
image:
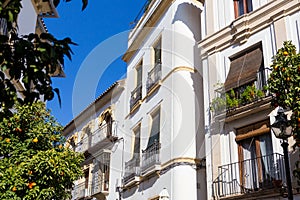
(132, 169)
(251, 92)
(136, 95)
(249, 176)
(151, 156)
(154, 76)
(104, 131)
(140, 14)
(3, 26)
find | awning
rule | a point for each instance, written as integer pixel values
(243, 69)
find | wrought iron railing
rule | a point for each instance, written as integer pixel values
(132, 169)
(3, 26)
(81, 190)
(154, 76)
(99, 184)
(104, 131)
(252, 92)
(249, 176)
(151, 156)
(140, 14)
(136, 95)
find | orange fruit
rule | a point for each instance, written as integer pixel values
(283, 69)
(18, 130)
(288, 78)
(7, 140)
(60, 146)
(299, 120)
(31, 185)
(30, 172)
(276, 67)
(285, 53)
(14, 189)
(35, 140)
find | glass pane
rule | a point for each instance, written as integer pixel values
(155, 129)
(241, 7)
(249, 6)
(157, 52)
(139, 75)
(136, 150)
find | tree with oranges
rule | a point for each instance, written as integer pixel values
(284, 84)
(33, 162)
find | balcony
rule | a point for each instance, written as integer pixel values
(154, 76)
(151, 158)
(103, 133)
(136, 96)
(132, 170)
(3, 26)
(80, 191)
(237, 98)
(106, 131)
(249, 176)
(99, 186)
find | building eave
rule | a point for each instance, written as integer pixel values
(107, 93)
(45, 8)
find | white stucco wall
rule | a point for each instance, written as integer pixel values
(179, 30)
(27, 18)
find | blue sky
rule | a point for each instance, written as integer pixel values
(101, 32)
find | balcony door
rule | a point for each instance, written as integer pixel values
(255, 156)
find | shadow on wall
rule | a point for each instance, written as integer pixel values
(189, 14)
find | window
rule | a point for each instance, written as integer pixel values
(101, 173)
(151, 155)
(256, 155)
(242, 7)
(3, 26)
(157, 53)
(136, 147)
(86, 178)
(136, 94)
(246, 72)
(139, 74)
(155, 128)
(154, 76)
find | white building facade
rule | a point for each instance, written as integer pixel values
(243, 157)
(164, 142)
(194, 115)
(97, 133)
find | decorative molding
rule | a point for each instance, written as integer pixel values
(141, 30)
(247, 25)
(164, 168)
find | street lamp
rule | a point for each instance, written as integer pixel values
(164, 195)
(282, 130)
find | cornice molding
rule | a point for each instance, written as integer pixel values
(141, 31)
(245, 26)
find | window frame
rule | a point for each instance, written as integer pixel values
(139, 76)
(156, 111)
(136, 131)
(247, 7)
